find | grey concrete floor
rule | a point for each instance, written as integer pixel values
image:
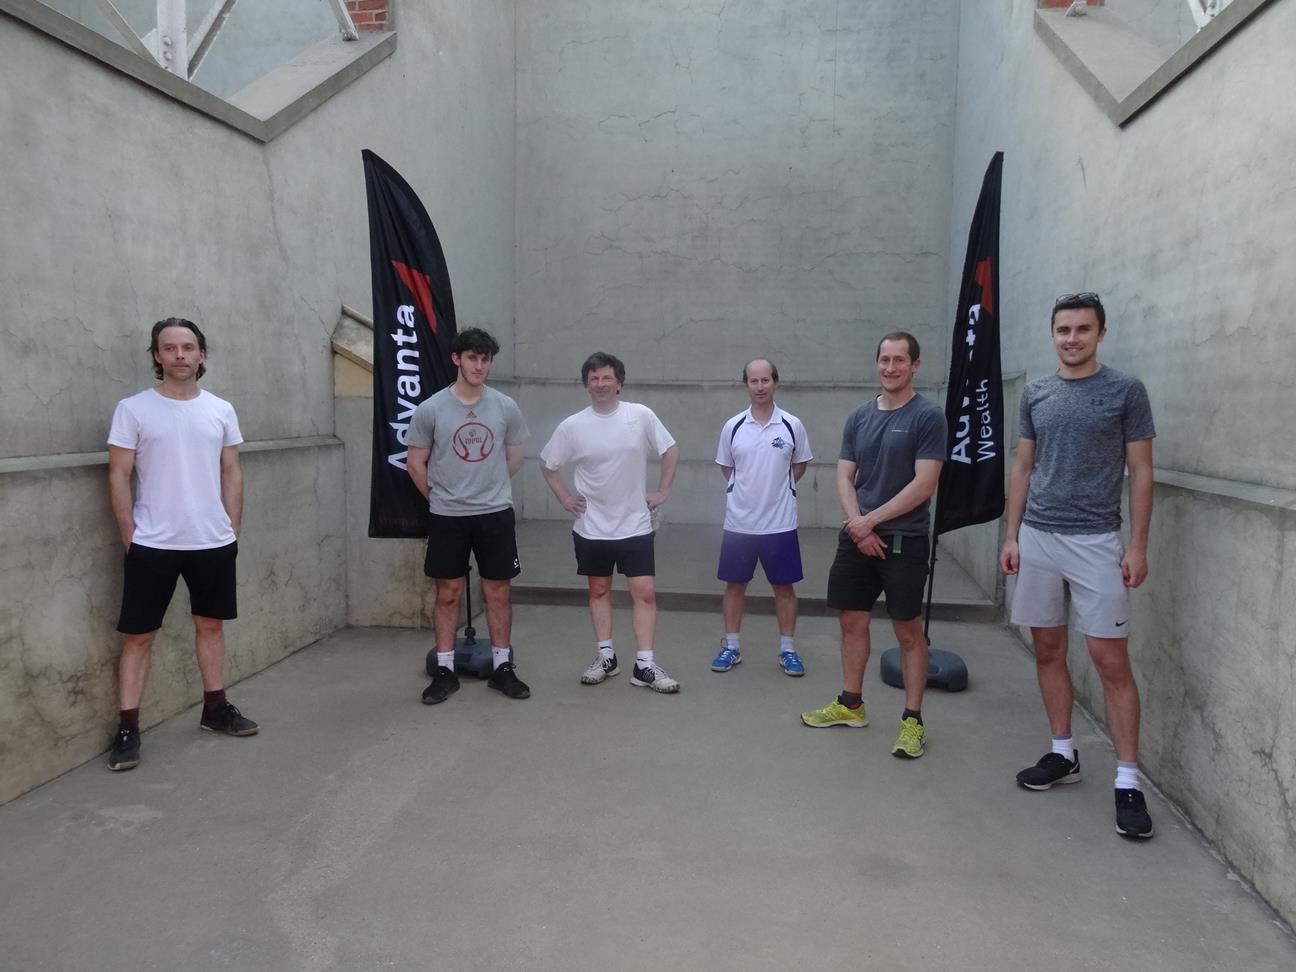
(609, 828)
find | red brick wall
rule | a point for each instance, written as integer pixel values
(370, 14)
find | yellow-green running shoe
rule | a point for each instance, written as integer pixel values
(909, 745)
(835, 714)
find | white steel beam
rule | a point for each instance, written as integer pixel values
(173, 37)
(205, 34)
(109, 10)
(345, 24)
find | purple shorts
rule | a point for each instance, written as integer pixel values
(778, 553)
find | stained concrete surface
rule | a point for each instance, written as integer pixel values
(607, 827)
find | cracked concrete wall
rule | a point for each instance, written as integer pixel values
(121, 206)
(701, 182)
(1183, 220)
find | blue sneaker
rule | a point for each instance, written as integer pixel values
(791, 664)
(727, 659)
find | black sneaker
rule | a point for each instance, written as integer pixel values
(1051, 770)
(504, 679)
(124, 754)
(1132, 818)
(445, 683)
(229, 720)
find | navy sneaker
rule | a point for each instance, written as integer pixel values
(1051, 770)
(1132, 818)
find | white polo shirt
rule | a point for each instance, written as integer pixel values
(761, 497)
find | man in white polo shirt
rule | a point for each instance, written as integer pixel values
(763, 453)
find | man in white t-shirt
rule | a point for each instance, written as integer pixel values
(183, 521)
(608, 445)
(762, 454)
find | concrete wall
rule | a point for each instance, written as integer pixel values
(1184, 220)
(122, 206)
(702, 182)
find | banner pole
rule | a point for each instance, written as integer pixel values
(931, 586)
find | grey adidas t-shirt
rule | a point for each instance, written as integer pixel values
(467, 472)
(1080, 427)
(884, 447)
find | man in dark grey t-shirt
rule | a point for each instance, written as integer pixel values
(465, 442)
(1080, 428)
(888, 468)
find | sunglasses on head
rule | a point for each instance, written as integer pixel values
(1088, 297)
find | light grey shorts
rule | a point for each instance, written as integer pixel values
(1088, 564)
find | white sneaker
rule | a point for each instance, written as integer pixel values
(600, 670)
(653, 677)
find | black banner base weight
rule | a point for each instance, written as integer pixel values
(472, 657)
(945, 670)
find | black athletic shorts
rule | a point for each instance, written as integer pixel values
(490, 536)
(151, 576)
(856, 579)
(633, 556)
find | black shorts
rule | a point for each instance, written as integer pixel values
(856, 580)
(490, 536)
(632, 556)
(151, 576)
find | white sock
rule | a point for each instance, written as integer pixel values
(785, 643)
(499, 655)
(1063, 746)
(605, 650)
(731, 640)
(1127, 776)
(644, 658)
(446, 659)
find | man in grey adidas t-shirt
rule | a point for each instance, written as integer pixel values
(465, 442)
(1080, 428)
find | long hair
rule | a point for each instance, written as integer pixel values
(161, 326)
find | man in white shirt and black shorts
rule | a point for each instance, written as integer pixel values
(183, 521)
(762, 454)
(608, 445)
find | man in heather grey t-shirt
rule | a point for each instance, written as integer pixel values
(1080, 428)
(464, 444)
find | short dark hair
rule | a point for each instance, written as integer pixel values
(161, 326)
(601, 359)
(773, 368)
(1087, 300)
(474, 339)
(914, 351)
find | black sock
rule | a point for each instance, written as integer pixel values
(213, 700)
(852, 700)
(128, 719)
(912, 714)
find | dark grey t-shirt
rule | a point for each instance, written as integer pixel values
(1080, 427)
(884, 447)
(467, 473)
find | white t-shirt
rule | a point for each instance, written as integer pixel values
(177, 460)
(610, 454)
(761, 496)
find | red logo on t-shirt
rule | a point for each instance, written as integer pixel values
(473, 442)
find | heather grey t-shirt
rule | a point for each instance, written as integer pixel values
(884, 446)
(1080, 427)
(467, 473)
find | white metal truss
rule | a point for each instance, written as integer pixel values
(1204, 11)
(178, 50)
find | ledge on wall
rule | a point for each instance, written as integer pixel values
(1120, 69)
(264, 109)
